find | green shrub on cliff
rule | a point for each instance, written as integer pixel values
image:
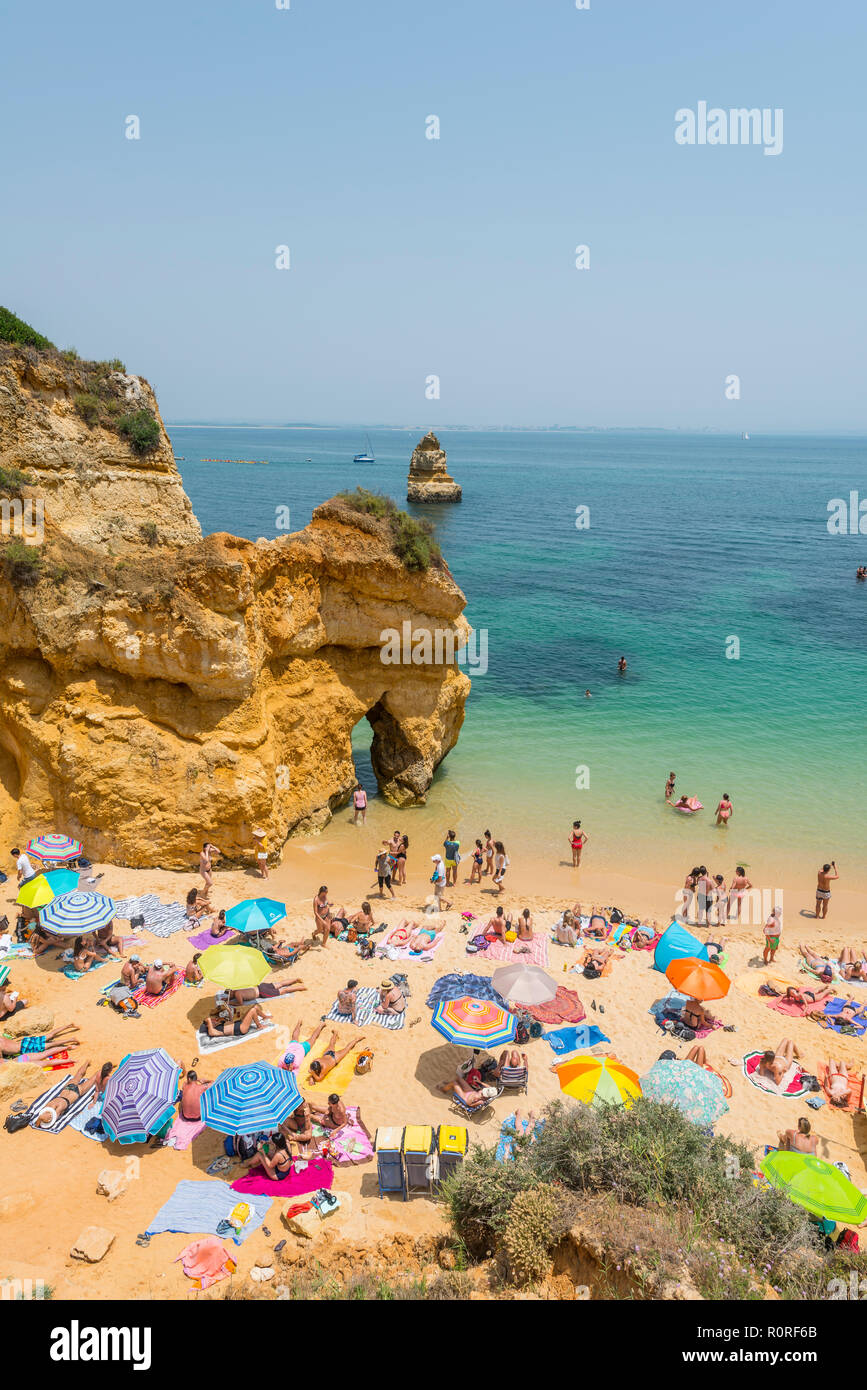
(15, 330)
(12, 480)
(412, 541)
(22, 563)
(141, 429)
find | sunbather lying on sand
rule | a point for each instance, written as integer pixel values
(596, 929)
(76, 1087)
(321, 1066)
(267, 990)
(14, 1047)
(221, 1024)
(774, 1065)
(850, 964)
(837, 1083)
(595, 959)
(800, 1140)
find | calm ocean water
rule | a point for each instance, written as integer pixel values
(693, 540)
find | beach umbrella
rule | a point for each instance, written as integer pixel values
(244, 1100)
(817, 1186)
(595, 1079)
(256, 914)
(61, 881)
(474, 1022)
(700, 979)
(697, 1093)
(57, 848)
(44, 888)
(234, 967)
(140, 1096)
(524, 984)
(74, 914)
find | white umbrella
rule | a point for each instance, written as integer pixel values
(524, 984)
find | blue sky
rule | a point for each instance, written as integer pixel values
(412, 257)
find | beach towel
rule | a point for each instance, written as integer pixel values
(197, 1208)
(205, 1043)
(335, 1080)
(674, 1002)
(508, 1131)
(455, 986)
(624, 936)
(206, 1262)
(791, 1086)
(161, 919)
(72, 974)
(395, 948)
(366, 1004)
(856, 1088)
(183, 1132)
(534, 952)
(574, 1039)
(83, 1103)
(204, 939)
(14, 950)
(830, 1019)
(305, 1175)
(349, 1143)
(150, 1001)
(81, 1118)
(565, 1007)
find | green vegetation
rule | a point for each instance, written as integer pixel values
(12, 480)
(141, 429)
(360, 1288)
(71, 354)
(88, 406)
(22, 563)
(412, 541)
(15, 330)
(731, 1237)
(148, 532)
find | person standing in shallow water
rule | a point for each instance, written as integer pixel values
(621, 665)
(724, 810)
(359, 801)
(669, 786)
(823, 887)
(577, 841)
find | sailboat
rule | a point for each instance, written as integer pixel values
(365, 458)
(744, 435)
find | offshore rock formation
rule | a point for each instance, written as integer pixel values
(153, 696)
(95, 487)
(429, 479)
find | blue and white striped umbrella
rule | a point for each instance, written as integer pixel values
(256, 914)
(74, 914)
(244, 1100)
(140, 1096)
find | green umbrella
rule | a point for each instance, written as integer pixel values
(816, 1185)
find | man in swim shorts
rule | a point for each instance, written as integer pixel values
(823, 887)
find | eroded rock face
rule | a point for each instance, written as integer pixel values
(196, 691)
(95, 487)
(429, 479)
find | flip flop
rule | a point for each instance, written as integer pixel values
(144, 1240)
(279, 1246)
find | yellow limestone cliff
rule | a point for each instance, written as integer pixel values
(156, 694)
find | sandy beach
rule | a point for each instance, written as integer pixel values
(59, 1173)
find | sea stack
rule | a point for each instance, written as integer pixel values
(429, 479)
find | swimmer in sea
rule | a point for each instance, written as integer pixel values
(724, 810)
(621, 665)
(669, 786)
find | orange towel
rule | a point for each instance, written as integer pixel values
(206, 1262)
(856, 1088)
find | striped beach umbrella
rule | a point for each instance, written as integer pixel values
(234, 967)
(598, 1079)
(697, 1093)
(244, 1100)
(74, 914)
(140, 1096)
(59, 849)
(817, 1186)
(256, 914)
(474, 1022)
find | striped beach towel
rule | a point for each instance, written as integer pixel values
(205, 1043)
(367, 1001)
(161, 919)
(77, 1107)
(150, 1001)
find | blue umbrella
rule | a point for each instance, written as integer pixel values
(256, 914)
(62, 881)
(244, 1100)
(140, 1096)
(73, 914)
(697, 1093)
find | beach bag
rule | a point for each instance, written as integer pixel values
(84, 864)
(365, 948)
(849, 1241)
(13, 1123)
(363, 1063)
(136, 922)
(352, 934)
(616, 916)
(522, 1032)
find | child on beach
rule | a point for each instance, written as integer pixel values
(452, 851)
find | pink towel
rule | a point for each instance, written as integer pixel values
(536, 955)
(150, 1001)
(349, 1143)
(183, 1132)
(206, 1262)
(318, 1173)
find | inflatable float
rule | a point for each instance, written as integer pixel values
(692, 804)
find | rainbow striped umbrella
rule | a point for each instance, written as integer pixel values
(595, 1079)
(140, 1096)
(474, 1022)
(58, 848)
(245, 1100)
(74, 914)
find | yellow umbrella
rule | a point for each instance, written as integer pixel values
(592, 1079)
(234, 967)
(36, 893)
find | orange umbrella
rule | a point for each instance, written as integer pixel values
(700, 979)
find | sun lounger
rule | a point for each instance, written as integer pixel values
(419, 1159)
(514, 1078)
(452, 1144)
(475, 1112)
(387, 1144)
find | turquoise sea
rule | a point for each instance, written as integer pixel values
(693, 540)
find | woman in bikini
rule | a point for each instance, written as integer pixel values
(724, 810)
(577, 840)
(72, 1092)
(321, 1066)
(489, 854)
(82, 956)
(837, 1083)
(739, 885)
(695, 1016)
(524, 931)
(392, 999)
(196, 907)
(221, 1024)
(400, 860)
(478, 857)
(774, 1065)
(274, 1156)
(501, 863)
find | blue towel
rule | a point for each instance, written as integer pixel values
(197, 1208)
(455, 986)
(506, 1142)
(575, 1036)
(673, 1002)
(834, 1006)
